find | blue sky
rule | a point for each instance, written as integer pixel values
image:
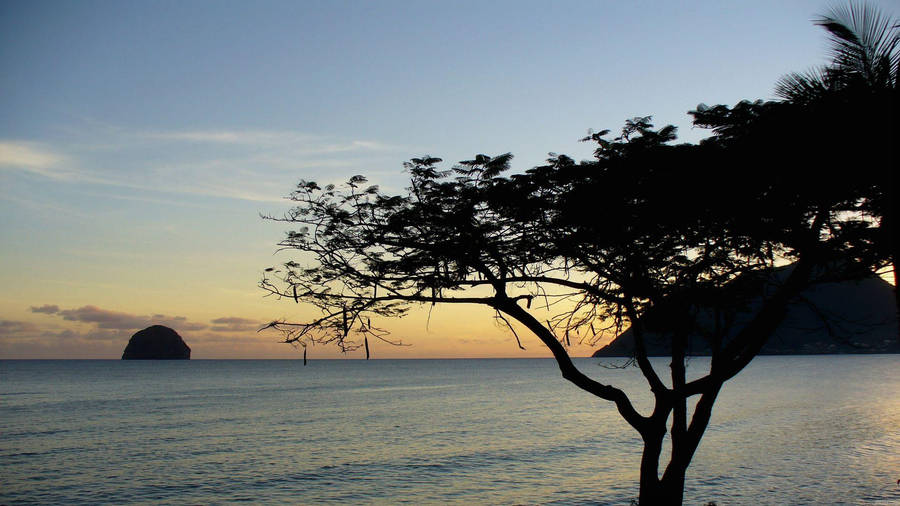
(140, 141)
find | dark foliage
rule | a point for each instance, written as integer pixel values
(645, 224)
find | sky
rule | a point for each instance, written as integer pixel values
(141, 141)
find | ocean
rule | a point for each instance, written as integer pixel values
(787, 430)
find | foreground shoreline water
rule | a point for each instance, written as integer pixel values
(801, 429)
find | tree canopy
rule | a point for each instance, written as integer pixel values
(841, 118)
(645, 224)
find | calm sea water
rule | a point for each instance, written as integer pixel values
(788, 430)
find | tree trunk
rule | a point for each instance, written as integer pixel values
(653, 491)
(666, 492)
(662, 494)
(672, 484)
(649, 485)
(670, 489)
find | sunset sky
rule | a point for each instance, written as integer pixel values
(140, 141)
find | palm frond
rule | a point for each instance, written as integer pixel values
(864, 43)
(803, 86)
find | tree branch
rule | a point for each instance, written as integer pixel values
(568, 369)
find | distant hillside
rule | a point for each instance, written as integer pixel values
(861, 318)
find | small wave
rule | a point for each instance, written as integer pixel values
(402, 388)
(36, 433)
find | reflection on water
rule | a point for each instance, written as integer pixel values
(799, 430)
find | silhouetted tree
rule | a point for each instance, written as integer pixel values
(647, 230)
(644, 226)
(862, 85)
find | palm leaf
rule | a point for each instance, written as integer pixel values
(803, 86)
(864, 43)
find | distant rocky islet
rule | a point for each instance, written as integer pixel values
(156, 342)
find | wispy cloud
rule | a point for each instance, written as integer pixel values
(229, 320)
(298, 142)
(90, 331)
(18, 154)
(13, 328)
(46, 309)
(255, 165)
(251, 137)
(31, 157)
(20, 339)
(17, 331)
(104, 320)
(234, 324)
(117, 320)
